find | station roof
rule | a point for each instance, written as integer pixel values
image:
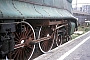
(80, 12)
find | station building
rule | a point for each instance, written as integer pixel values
(81, 16)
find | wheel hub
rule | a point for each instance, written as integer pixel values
(48, 35)
(23, 41)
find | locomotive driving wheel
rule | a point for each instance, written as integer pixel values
(23, 49)
(58, 39)
(46, 45)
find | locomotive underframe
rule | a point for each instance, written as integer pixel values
(58, 28)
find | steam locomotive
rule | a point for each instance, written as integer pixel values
(25, 23)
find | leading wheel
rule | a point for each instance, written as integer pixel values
(23, 49)
(46, 45)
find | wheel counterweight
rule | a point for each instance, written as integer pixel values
(23, 49)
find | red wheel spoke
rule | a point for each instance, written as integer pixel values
(24, 53)
(16, 54)
(17, 36)
(31, 35)
(45, 46)
(13, 52)
(25, 34)
(23, 48)
(16, 42)
(17, 39)
(28, 32)
(27, 50)
(21, 54)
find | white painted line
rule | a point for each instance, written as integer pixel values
(70, 51)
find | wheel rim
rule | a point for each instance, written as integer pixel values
(68, 38)
(23, 49)
(46, 45)
(58, 39)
